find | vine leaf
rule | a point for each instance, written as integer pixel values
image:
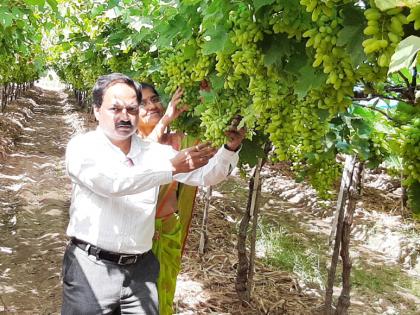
(169, 30)
(260, 3)
(308, 79)
(405, 55)
(384, 5)
(251, 151)
(275, 48)
(6, 18)
(218, 40)
(351, 35)
(53, 4)
(36, 2)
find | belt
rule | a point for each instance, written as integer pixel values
(121, 259)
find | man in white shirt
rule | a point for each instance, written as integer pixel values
(108, 267)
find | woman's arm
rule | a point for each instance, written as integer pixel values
(172, 112)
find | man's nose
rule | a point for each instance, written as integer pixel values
(124, 113)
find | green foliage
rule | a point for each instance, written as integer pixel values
(21, 57)
(405, 54)
(290, 68)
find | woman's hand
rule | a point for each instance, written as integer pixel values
(235, 135)
(173, 111)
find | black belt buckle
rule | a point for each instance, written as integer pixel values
(127, 259)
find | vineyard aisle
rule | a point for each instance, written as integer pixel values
(34, 200)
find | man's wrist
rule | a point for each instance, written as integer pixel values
(227, 147)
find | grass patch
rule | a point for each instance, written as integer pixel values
(290, 253)
(382, 279)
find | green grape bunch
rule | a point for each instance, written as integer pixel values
(414, 16)
(384, 30)
(410, 150)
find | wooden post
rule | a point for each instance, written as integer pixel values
(203, 234)
(254, 211)
(337, 229)
(354, 194)
(245, 269)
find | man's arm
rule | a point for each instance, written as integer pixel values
(93, 172)
(106, 180)
(215, 171)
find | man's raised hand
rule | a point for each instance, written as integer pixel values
(192, 158)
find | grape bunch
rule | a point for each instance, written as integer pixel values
(287, 17)
(414, 16)
(218, 114)
(385, 31)
(334, 59)
(410, 150)
(245, 28)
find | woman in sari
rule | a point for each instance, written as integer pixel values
(176, 200)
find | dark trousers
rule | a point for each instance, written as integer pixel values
(92, 286)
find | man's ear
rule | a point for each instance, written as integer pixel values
(96, 112)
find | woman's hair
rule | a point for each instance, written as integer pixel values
(144, 85)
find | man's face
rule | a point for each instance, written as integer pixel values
(118, 115)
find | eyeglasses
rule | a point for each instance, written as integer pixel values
(153, 100)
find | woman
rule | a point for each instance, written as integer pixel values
(176, 201)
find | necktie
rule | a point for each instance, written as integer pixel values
(129, 162)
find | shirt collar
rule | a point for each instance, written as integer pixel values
(134, 148)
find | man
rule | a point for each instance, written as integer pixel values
(108, 267)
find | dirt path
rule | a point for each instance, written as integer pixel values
(34, 195)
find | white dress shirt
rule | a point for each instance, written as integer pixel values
(113, 205)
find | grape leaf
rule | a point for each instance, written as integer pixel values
(214, 13)
(352, 38)
(405, 55)
(216, 82)
(6, 18)
(168, 31)
(53, 4)
(36, 2)
(351, 35)
(208, 97)
(251, 151)
(308, 79)
(384, 5)
(260, 3)
(275, 48)
(216, 39)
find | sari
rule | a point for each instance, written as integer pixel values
(171, 233)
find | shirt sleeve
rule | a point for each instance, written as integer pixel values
(89, 170)
(215, 171)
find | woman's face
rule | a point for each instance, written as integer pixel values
(152, 110)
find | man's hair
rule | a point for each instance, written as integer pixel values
(109, 80)
(144, 85)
